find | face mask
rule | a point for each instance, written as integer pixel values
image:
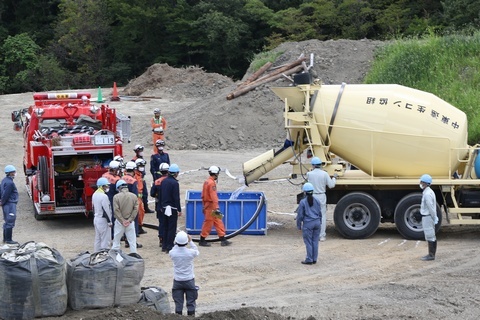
(141, 169)
(14, 175)
(107, 190)
(140, 154)
(421, 186)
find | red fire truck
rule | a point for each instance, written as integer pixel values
(68, 142)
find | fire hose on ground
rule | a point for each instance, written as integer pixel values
(233, 234)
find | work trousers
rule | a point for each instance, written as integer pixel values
(9, 215)
(211, 221)
(102, 234)
(311, 237)
(129, 232)
(169, 230)
(428, 226)
(182, 290)
(323, 207)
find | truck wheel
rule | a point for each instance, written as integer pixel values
(357, 215)
(408, 219)
(44, 186)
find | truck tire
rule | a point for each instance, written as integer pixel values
(408, 219)
(357, 215)
(44, 186)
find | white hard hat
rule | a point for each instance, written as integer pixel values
(156, 110)
(118, 158)
(138, 147)
(181, 238)
(130, 165)
(114, 164)
(214, 169)
(140, 162)
(163, 166)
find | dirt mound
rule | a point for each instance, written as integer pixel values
(254, 120)
(161, 80)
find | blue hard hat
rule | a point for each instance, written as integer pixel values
(102, 182)
(316, 161)
(120, 183)
(307, 187)
(9, 168)
(174, 168)
(426, 178)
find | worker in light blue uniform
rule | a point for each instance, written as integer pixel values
(321, 180)
(9, 200)
(428, 210)
(309, 220)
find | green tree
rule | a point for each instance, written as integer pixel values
(19, 60)
(462, 13)
(82, 35)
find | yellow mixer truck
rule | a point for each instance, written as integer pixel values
(379, 139)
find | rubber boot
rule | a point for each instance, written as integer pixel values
(434, 250)
(127, 245)
(224, 242)
(4, 236)
(204, 242)
(160, 242)
(140, 230)
(8, 236)
(147, 209)
(191, 313)
(431, 255)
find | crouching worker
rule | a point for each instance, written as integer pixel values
(183, 276)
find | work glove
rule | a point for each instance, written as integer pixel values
(217, 214)
(335, 175)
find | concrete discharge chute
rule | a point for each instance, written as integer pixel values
(392, 134)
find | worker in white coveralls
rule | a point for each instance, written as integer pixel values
(428, 210)
(184, 287)
(102, 215)
(321, 180)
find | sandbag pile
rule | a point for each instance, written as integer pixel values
(32, 282)
(104, 279)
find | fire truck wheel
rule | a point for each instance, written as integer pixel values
(43, 178)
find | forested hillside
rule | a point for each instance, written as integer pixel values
(57, 44)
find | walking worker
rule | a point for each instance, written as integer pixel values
(125, 209)
(171, 208)
(102, 220)
(183, 275)
(158, 158)
(211, 209)
(428, 210)
(309, 220)
(9, 199)
(159, 125)
(320, 181)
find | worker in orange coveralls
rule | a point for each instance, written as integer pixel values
(159, 125)
(139, 172)
(211, 209)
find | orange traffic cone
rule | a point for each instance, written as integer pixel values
(115, 96)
